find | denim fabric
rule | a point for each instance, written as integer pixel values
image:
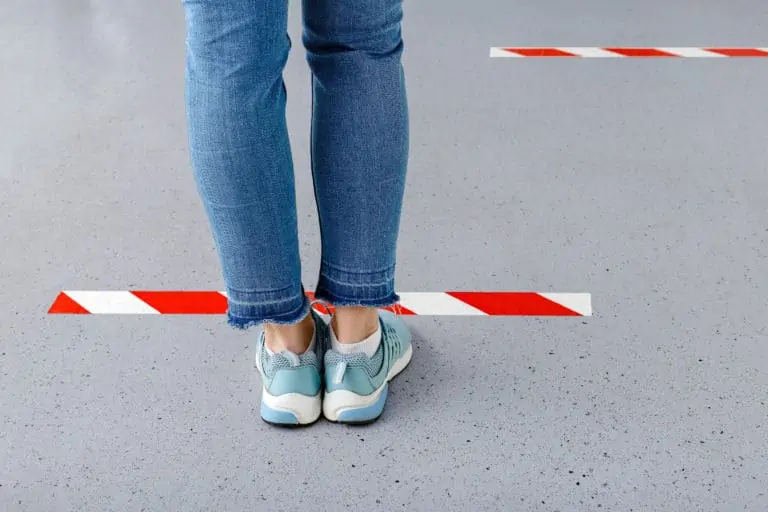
(241, 155)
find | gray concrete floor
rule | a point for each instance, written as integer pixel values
(640, 181)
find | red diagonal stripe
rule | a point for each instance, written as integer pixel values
(328, 309)
(185, 303)
(513, 303)
(640, 52)
(400, 310)
(540, 52)
(738, 52)
(323, 308)
(64, 305)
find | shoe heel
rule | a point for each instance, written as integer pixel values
(278, 417)
(346, 407)
(290, 408)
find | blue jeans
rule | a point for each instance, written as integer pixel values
(241, 156)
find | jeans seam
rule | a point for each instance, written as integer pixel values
(357, 272)
(261, 291)
(356, 285)
(264, 303)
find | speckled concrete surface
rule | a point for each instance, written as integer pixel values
(640, 181)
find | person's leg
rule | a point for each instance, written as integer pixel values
(359, 149)
(241, 157)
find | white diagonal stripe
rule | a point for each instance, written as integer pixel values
(112, 302)
(499, 52)
(690, 52)
(437, 304)
(224, 294)
(581, 303)
(590, 52)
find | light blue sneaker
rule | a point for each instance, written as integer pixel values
(355, 385)
(292, 384)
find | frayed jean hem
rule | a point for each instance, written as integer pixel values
(244, 316)
(340, 288)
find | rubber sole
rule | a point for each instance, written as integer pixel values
(285, 421)
(290, 408)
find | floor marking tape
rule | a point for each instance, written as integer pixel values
(454, 303)
(111, 303)
(627, 52)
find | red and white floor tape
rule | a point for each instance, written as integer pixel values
(627, 52)
(455, 303)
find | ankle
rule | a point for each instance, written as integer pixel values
(352, 324)
(293, 337)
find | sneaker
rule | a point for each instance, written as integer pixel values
(292, 383)
(355, 385)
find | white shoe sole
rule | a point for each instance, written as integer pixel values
(306, 409)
